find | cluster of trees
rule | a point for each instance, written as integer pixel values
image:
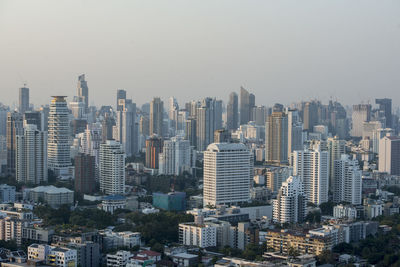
(251, 252)
(90, 218)
(164, 184)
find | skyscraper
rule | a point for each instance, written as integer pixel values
(312, 167)
(176, 157)
(295, 131)
(83, 91)
(232, 115)
(154, 147)
(310, 115)
(14, 128)
(190, 131)
(23, 100)
(361, 113)
(112, 168)
(259, 115)
(208, 118)
(276, 138)
(389, 155)
(31, 156)
(336, 149)
(107, 128)
(85, 173)
(126, 134)
(121, 94)
(33, 117)
(385, 105)
(227, 168)
(58, 148)
(156, 116)
(247, 102)
(290, 204)
(348, 183)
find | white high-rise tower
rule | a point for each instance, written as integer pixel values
(112, 168)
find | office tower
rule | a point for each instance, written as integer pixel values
(192, 108)
(121, 94)
(348, 183)
(85, 173)
(259, 115)
(153, 148)
(190, 131)
(126, 134)
(14, 128)
(31, 156)
(232, 112)
(156, 116)
(336, 148)
(385, 105)
(23, 100)
(83, 92)
(92, 138)
(208, 117)
(144, 126)
(107, 128)
(33, 117)
(222, 136)
(310, 115)
(389, 155)
(78, 108)
(290, 204)
(181, 122)
(361, 113)
(295, 131)
(276, 138)
(3, 120)
(78, 126)
(58, 148)
(44, 116)
(176, 157)
(312, 167)
(377, 135)
(275, 176)
(112, 168)
(247, 102)
(173, 109)
(369, 128)
(227, 168)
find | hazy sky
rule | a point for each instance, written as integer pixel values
(282, 51)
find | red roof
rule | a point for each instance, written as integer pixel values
(150, 253)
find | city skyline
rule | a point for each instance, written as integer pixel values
(280, 52)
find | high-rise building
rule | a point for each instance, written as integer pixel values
(336, 149)
(153, 148)
(144, 126)
(125, 126)
(107, 128)
(389, 155)
(275, 176)
(377, 135)
(112, 168)
(14, 128)
(3, 120)
(176, 157)
(385, 105)
(310, 115)
(247, 102)
(83, 91)
(361, 113)
(31, 156)
(259, 115)
(290, 204)
(58, 148)
(227, 168)
(23, 100)
(190, 131)
(78, 108)
(208, 119)
(232, 112)
(222, 136)
(156, 116)
(295, 131)
(121, 94)
(91, 140)
(348, 183)
(33, 117)
(312, 167)
(85, 173)
(276, 138)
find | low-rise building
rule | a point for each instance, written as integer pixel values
(202, 235)
(345, 212)
(173, 201)
(51, 195)
(118, 259)
(127, 239)
(112, 203)
(185, 259)
(52, 255)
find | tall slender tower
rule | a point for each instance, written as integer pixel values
(14, 128)
(23, 99)
(112, 168)
(348, 182)
(121, 94)
(126, 133)
(58, 148)
(247, 102)
(276, 138)
(156, 116)
(232, 115)
(83, 91)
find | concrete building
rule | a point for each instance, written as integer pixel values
(58, 146)
(295, 131)
(126, 132)
(121, 94)
(247, 102)
(154, 146)
(31, 156)
(23, 100)
(290, 204)
(83, 92)
(312, 167)
(232, 112)
(7, 193)
(208, 119)
(113, 202)
(114, 240)
(345, 212)
(51, 195)
(156, 116)
(52, 255)
(112, 168)
(85, 173)
(14, 128)
(173, 201)
(275, 176)
(200, 235)
(385, 105)
(348, 182)
(389, 155)
(276, 138)
(361, 113)
(227, 168)
(336, 148)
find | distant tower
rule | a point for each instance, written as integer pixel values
(156, 116)
(112, 168)
(247, 102)
(58, 147)
(23, 99)
(276, 138)
(121, 94)
(232, 115)
(14, 128)
(83, 91)
(361, 113)
(385, 105)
